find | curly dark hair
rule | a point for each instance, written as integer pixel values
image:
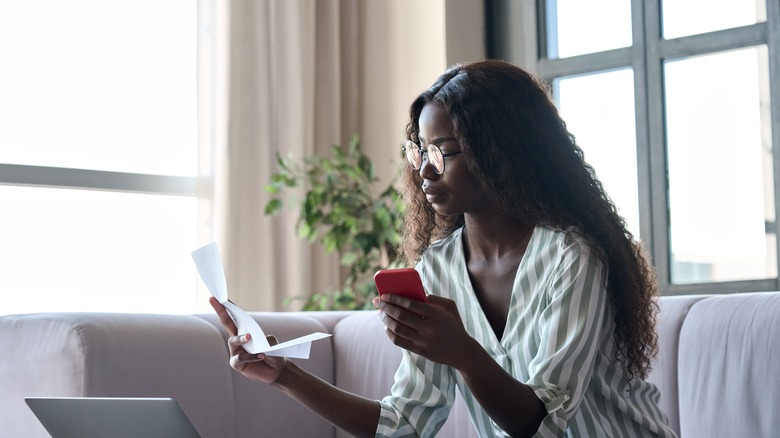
(517, 146)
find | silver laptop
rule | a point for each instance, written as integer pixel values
(93, 417)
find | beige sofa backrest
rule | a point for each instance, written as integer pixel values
(715, 371)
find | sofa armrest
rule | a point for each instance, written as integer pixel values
(674, 310)
(727, 357)
(114, 355)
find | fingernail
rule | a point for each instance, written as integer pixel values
(243, 338)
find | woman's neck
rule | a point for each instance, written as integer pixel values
(495, 236)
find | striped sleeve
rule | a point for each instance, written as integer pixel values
(420, 399)
(571, 323)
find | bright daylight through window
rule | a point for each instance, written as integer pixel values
(98, 155)
(675, 116)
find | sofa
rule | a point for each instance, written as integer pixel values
(715, 368)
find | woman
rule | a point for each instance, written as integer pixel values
(541, 307)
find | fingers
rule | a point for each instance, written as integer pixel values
(399, 328)
(434, 299)
(223, 315)
(402, 326)
(236, 363)
(405, 310)
(235, 342)
(239, 357)
(400, 301)
(240, 360)
(442, 302)
(216, 305)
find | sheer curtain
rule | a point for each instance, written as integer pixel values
(291, 88)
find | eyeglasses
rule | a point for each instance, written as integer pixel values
(414, 155)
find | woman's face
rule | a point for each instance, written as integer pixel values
(455, 191)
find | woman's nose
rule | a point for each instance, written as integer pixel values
(426, 168)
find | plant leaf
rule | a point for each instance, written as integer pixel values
(273, 206)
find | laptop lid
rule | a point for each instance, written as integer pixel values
(92, 417)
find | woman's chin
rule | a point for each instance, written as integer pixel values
(443, 210)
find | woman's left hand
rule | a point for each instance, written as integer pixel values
(433, 330)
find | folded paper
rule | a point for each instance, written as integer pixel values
(209, 266)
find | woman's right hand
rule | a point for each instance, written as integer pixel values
(257, 367)
(355, 414)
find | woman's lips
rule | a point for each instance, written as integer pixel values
(431, 195)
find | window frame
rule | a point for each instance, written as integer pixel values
(198, 186)
(61, 177)
(31, 175)
(515, 32)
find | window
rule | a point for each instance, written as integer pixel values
(677, 115)
(98, 156)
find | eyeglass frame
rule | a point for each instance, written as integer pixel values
(427, 151)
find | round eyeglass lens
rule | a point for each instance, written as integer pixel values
(413, 154)
(436, 158)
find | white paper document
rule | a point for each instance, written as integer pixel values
(209, 266)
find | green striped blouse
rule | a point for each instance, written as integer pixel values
(558, 340)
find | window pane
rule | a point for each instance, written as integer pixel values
(604, 126)
(99, 84)
(78, 250)
(689, 17)
(576, 27)
(720, 167)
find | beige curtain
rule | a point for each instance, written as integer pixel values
(291, 89)
(295, 77)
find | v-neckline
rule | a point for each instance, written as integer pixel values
(471, 295)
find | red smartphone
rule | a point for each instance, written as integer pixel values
(403, 281)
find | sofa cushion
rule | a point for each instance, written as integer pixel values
(366, 362)
(254, 401)
(729, 385)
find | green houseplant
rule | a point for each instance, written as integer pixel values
(340, 210)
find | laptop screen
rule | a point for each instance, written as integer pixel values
(92, 417)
